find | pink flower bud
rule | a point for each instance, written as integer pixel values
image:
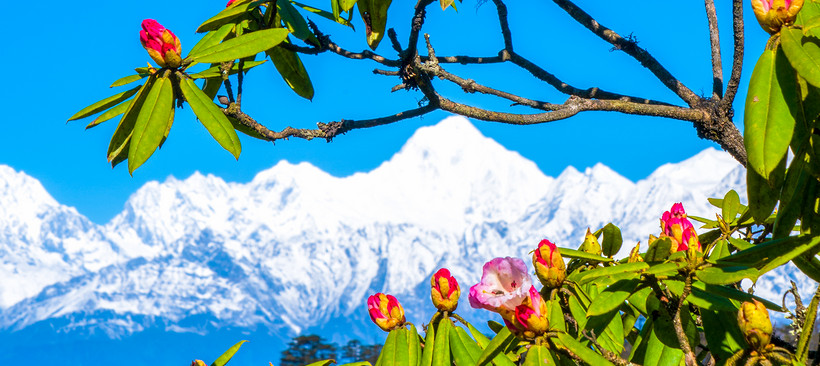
(774, 14)
(531, 318)
(229, 3)
(549, 265)
(385, 311)
(445, 291)
(504, 284)
(162, 45)
(676, 226)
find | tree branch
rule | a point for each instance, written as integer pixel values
(676, 322)
(737, 57)
(631, 48)
(714, 39)
(505, 25)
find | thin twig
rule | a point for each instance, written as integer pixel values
(714, 39)
(505, 25)
(737, 57)
(631, 48)
(240, 78)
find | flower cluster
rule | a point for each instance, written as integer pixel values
(162, 45)
(676, 226)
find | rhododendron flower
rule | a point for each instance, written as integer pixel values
(385, 311)
(504, 284)
(549, 265)
(753, 319)
(774, 14)
(675, 225)
(162, 45)
(531, 317)
(445, 290)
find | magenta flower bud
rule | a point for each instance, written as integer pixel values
(549, 265)
(229, 3)
(445, 290)
(504, 284)
(774, 14)
(531, 318)
(676, 226)
(162, 45)
(385, 311)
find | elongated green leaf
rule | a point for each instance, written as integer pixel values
(792, 196)
(441, 348)
(539, 355)
(577, 254)
(802, 352)
(216, 71)
(480, 338)
(323, 363)
(117, 151)
(659, 345)
(809, 265)
(738, 295)
(612, 240)
(324, 14)
(495, 326)
(402, 349)
(730, 206)
(722, 333)
(665, 269)
(701, 298)
(413, 346)
(585, 353)
(359, 363)
(346, 5)
(243, 46)
(225, 357)
(374, 16)
(659, 250)
(128, 80)
(611, 298)
(726, 275)
(803, 54)
(762, 198)
(290, 67)
(768, 121)
(294, 21)
(211, 117)
(151, 123)
(720, 250)
(496, 346)
(429, 344)
(105, 103)
(109, 114)
(390, 348)
(230, 14)
(212, 38)
(773, 253)
(588, 276)
(464, 350)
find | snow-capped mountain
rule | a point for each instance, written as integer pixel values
(296, 247)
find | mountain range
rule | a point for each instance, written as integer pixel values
(297, 250)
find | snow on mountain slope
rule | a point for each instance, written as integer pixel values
(296, 247)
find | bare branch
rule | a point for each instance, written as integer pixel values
(631, 48)
(737, 57)
(714, 39)
(505, 25)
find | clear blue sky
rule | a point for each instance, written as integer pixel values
(60, 57)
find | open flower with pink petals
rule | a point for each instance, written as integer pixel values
(504, 285)
(162, 45)
(531, 318)
(676, 226)
(385, 311)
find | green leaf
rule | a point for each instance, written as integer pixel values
(324, 14)
(768, 121)
(659, 250)
(720, 250)
(292, 70)
(665, 269)
(225, 357)
(612, 240)
(480, 338)
(117, 148)
(583, 352)
(105, 103)
(803, 54)
(243, 46)
(726, 275)
(809, 265)
(413, 345)
(323, 363)
(699, 297)
(374, 16)
(611, 298)
(539, 355)
(359, 363)
(738, 295)
(390, 348)
(730, 206)
(128, 79)
(216, 71)
(211, 117)
(659, 345)
(802, 352)
(792, 197)
(496, 346)
(441, 348)
(294, 21)
(346, 5)
(722, 333)
(577, 254)
(151, 124)
(464, 350)
(590, 275)
(762, 198)
(773, 253)
(495, 326)
(429, 343)
(212, 38)
(229, 15)
(109, 114)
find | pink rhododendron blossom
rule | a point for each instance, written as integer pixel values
(385, 311)
(504, 285)
(162, 45)
(531, 317)
(675, 225)
(445, 290)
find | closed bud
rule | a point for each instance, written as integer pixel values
(753, 319)
(590, 244)
(161, 44)
(198, 363)
(676, 226)
(385, 311)
(774, 14)
(531, 318)
(445, 290)
(549, 265)
(635, 254)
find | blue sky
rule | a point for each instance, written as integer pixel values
(61, 57)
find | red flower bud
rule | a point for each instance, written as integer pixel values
(385, 311)
(675, 225)
(531, 318)
(445, 290)
(162, 45)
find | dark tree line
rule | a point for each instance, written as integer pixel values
(304, 350)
